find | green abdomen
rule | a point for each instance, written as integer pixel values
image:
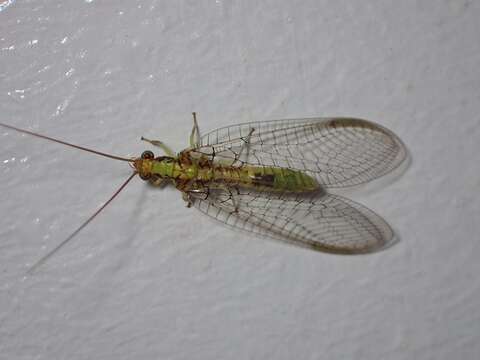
(264, 178)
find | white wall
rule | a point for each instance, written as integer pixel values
(151, 279)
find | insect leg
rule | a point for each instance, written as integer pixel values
(187, 187)
(159, 181)
(161, 145)
(246, 143)
(203, 192)
(233, 200)
(187, 195)
(187, 198)
(195, 135)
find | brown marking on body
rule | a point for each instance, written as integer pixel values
(184, 158)
(263, 179)
(204, 162)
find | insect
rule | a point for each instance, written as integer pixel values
(274, 178)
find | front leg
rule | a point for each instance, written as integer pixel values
(189, 187)
(159, 181)
(161, 145)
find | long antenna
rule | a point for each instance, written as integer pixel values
(35, 266)
(65, 143)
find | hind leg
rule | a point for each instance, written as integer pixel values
(246, 144)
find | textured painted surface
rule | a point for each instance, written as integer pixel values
(152, 279)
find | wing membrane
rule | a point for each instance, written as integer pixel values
(339, 152)
(323, 222)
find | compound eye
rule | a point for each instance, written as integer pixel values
(147, 155)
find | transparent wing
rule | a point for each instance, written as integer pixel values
(338, 152)
(323, 222)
